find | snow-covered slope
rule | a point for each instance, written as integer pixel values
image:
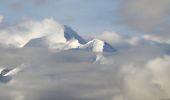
(97, 45)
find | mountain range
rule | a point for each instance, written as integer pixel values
(73, 41)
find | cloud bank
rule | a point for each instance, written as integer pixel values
(139, 73)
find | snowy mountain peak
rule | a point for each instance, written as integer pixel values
(68, 39)
(53, 39)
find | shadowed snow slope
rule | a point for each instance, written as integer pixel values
(69, 34)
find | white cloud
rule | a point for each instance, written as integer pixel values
(20, 33)
(111, 37)
(120, 40)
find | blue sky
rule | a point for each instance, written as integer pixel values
(91, 17)
(85, 16)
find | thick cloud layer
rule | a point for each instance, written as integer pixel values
(139, 73)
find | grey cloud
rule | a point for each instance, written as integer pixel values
(145, 15)
(70, 75)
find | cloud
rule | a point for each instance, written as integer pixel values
(160, 72)
(18, 34)
(146, 79)
(145, 15)
(140, 73)
(1, 18)
(111, 37)
(120, 40)
(159, 38)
